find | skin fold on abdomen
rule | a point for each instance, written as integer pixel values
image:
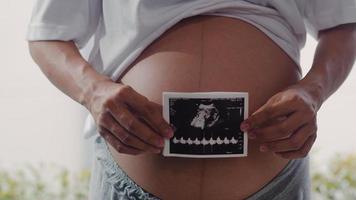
(201, 54)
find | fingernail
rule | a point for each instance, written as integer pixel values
(263, 148)
(158, 151)
(160, 142)
(169, 133)
(244, 126)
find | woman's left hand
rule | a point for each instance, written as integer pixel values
(286, 124)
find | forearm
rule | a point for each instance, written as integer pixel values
(333, 60)
(63, 65)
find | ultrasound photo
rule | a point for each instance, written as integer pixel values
(206, 124)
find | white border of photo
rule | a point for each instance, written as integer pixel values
(216, 94)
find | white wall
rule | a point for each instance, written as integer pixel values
(37, 121)
(40, 123)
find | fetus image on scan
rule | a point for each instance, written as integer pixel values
(206, 126)
(207, 116)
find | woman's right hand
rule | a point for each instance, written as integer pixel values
(130, 122)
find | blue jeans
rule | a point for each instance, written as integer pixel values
(109, 182)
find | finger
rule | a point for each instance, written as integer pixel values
(295, 142)
(245, 125)
(266, 113)
(147, 109)
(127, 137)
(155, 119)
(281, 129)
(117, 144)
(132, 124)
(302, 152)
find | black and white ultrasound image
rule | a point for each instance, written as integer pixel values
(206, 126)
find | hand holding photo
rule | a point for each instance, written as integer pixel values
(206, 124)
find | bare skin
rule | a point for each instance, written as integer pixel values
(213, 58)
(207, 60)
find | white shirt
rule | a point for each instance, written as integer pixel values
(121, 29)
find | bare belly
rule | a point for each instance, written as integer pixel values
(208, 53)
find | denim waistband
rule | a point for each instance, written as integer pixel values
(123, 187)
(292, 182)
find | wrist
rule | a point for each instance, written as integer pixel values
(315, 88)
(90, 81)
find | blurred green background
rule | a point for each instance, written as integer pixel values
(334, 180)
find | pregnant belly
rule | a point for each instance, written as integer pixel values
(200, 54)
